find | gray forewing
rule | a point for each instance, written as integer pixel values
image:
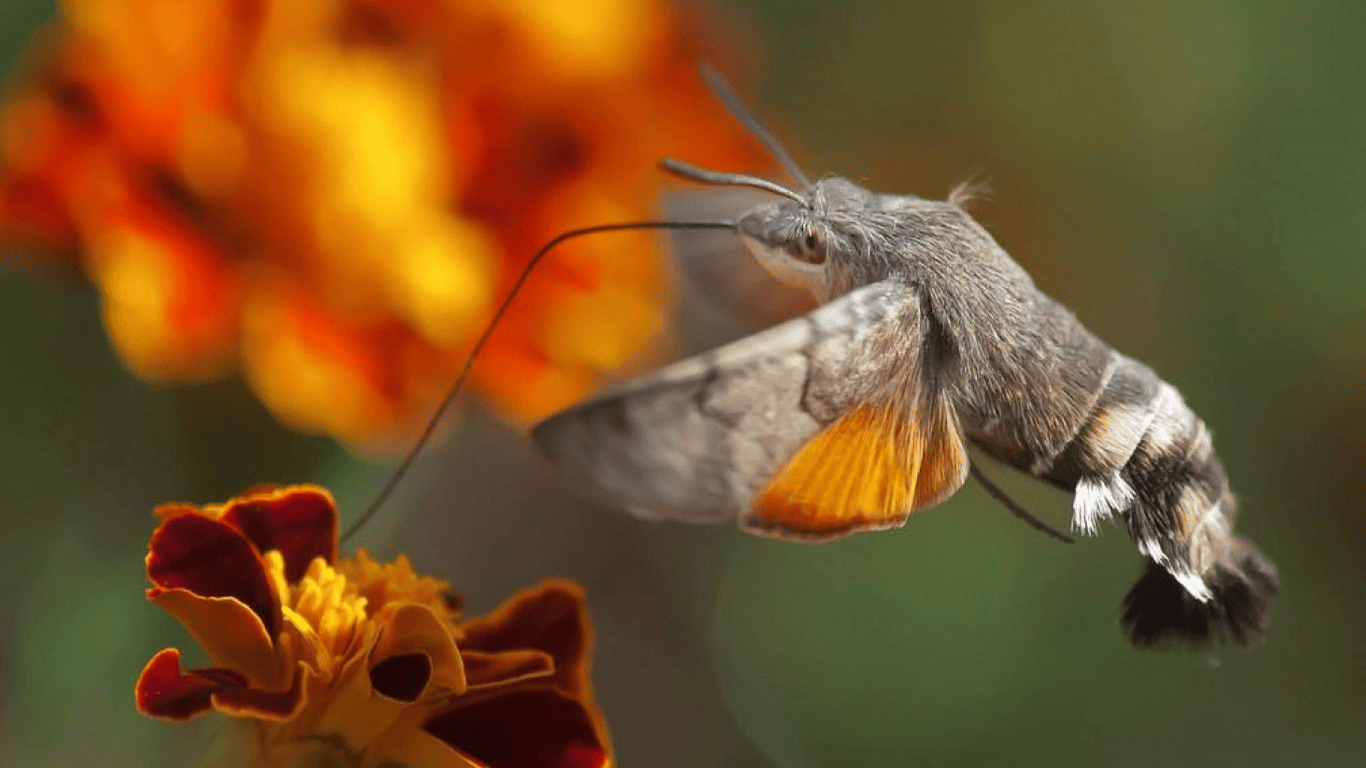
(697, 440)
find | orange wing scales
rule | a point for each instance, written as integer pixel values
(868, 470)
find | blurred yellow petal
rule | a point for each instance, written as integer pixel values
(342, 191)
(600, 330)
(212, 154)
(298, 362)
(168, 311)
(139, 284)
(524, 385)
(591, 40)
(441, 278)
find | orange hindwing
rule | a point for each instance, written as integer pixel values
(868, 470)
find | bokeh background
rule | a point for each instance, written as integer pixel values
(1190, 178)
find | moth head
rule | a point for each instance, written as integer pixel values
(823, 242)
(828, 237)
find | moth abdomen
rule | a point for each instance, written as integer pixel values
(1160, 609)
(1144, 455)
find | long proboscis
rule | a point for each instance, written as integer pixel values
(402, 469)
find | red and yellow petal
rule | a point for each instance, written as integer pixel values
(406, 743)
(270, 706)
(299, 521)
(413, 659)
(484, 670)
(551, 618)
(211, 559)
(353, 710)
(412, 628)
(164, 691)
(526, 726)
(231, 634)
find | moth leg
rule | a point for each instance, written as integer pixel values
(1014, 507)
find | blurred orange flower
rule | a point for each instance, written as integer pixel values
(358, 662)
(335, 194)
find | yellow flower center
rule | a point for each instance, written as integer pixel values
(383, 584)
(331, 608)
(328, 618)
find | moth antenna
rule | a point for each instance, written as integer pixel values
(403, 466)
(727, 96)
(1015, 509)
(726, 178)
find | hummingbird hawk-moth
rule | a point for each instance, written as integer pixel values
(928, 339)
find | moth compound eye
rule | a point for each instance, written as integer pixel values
(810, 249)
(792, 252)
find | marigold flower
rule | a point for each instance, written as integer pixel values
(359, 662)
(333, 195)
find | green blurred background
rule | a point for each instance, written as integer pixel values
(1189, 177)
